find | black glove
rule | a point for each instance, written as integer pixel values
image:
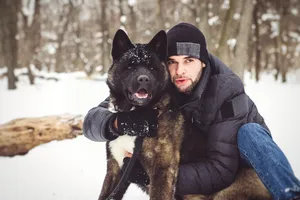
(138, 174)
(139, 122)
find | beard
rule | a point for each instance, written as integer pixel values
(191, 87)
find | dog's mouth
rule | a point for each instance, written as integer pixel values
(142, 94)
(140, 97)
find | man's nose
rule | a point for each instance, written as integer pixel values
(180, 70)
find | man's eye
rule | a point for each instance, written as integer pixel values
(189, 60)
(170, 62)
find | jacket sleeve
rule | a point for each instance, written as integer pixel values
(219, 168)
(95, 122)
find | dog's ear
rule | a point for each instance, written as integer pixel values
(121, 43)
(158, 44)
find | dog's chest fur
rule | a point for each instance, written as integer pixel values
(120, 146)
(168, 140)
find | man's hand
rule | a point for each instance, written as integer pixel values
(139, 122)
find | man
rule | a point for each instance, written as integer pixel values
(213, 99)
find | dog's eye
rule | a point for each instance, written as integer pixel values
(152, 68)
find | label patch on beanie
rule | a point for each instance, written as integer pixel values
(188, 48)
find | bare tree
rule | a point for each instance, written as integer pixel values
(161, 4)
(64, 20)
(223, 51)
(257, 40)
(132, 23)
(32, 37)
(105, 46)
(241, 49)
(79, 37)
(9, 10)
(203, 22)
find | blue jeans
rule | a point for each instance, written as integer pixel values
(258, 150)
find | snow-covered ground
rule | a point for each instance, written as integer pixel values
(74, 169)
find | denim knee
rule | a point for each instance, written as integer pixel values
(250, 134)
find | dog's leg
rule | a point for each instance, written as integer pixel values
(119, 195)
(112, 178)
(246, 186)
(162, 184)
(164, 172)
(196, 197)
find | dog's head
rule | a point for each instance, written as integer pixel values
(138, 75)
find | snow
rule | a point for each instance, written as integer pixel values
(74, 169)
(274, 28)
(50, 47)
(213, 20)
(237, 16)
(295, 35)
(298, 48)
(225, 5)
(123, 18)
(49, 35)
(185, 1)
(294, 11)
(270, 16)
(147, 32)
(284, 49)
(131, 2)
(231, 43)
(28, 8)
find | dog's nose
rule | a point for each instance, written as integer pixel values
(143, 79)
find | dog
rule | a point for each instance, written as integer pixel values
(161, 155)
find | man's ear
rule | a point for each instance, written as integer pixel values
(158, 44)
(121, 44)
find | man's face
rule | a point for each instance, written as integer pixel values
(185, 72)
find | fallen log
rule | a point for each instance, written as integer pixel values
(18, 136)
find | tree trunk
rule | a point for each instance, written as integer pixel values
(78, 63)
(203, 23)
(283, 26)
(200, 11)
(241, 55)
(251, 53)
(9, 10)
(267, 58)
(59, 67)
(284, 73)
(121, 10)
(19, 136)
(257, 42)
(223, 51)
(132, 23)
(284, 30)
(32, 39)
(30, 75)
(277, 42)
(105, 36)
(161, 14)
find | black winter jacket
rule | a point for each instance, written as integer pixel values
(218, 107)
